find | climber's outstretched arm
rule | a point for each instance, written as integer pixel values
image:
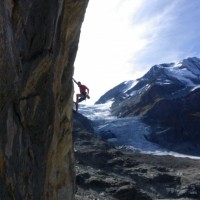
(74, 81)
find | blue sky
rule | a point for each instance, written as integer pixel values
(121, 39)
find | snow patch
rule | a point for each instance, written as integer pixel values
(130, 85)
(195, 88)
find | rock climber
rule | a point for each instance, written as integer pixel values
(84, 93)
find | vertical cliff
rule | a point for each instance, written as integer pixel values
(38, 45)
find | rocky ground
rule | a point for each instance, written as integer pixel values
(104, 172)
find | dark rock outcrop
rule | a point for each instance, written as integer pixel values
(38, 45)
(176, 123)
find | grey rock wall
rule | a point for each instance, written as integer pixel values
(38, 45)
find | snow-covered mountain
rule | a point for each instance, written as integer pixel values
(167, 97)
(177, 79)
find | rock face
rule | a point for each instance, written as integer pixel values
(38, 45)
